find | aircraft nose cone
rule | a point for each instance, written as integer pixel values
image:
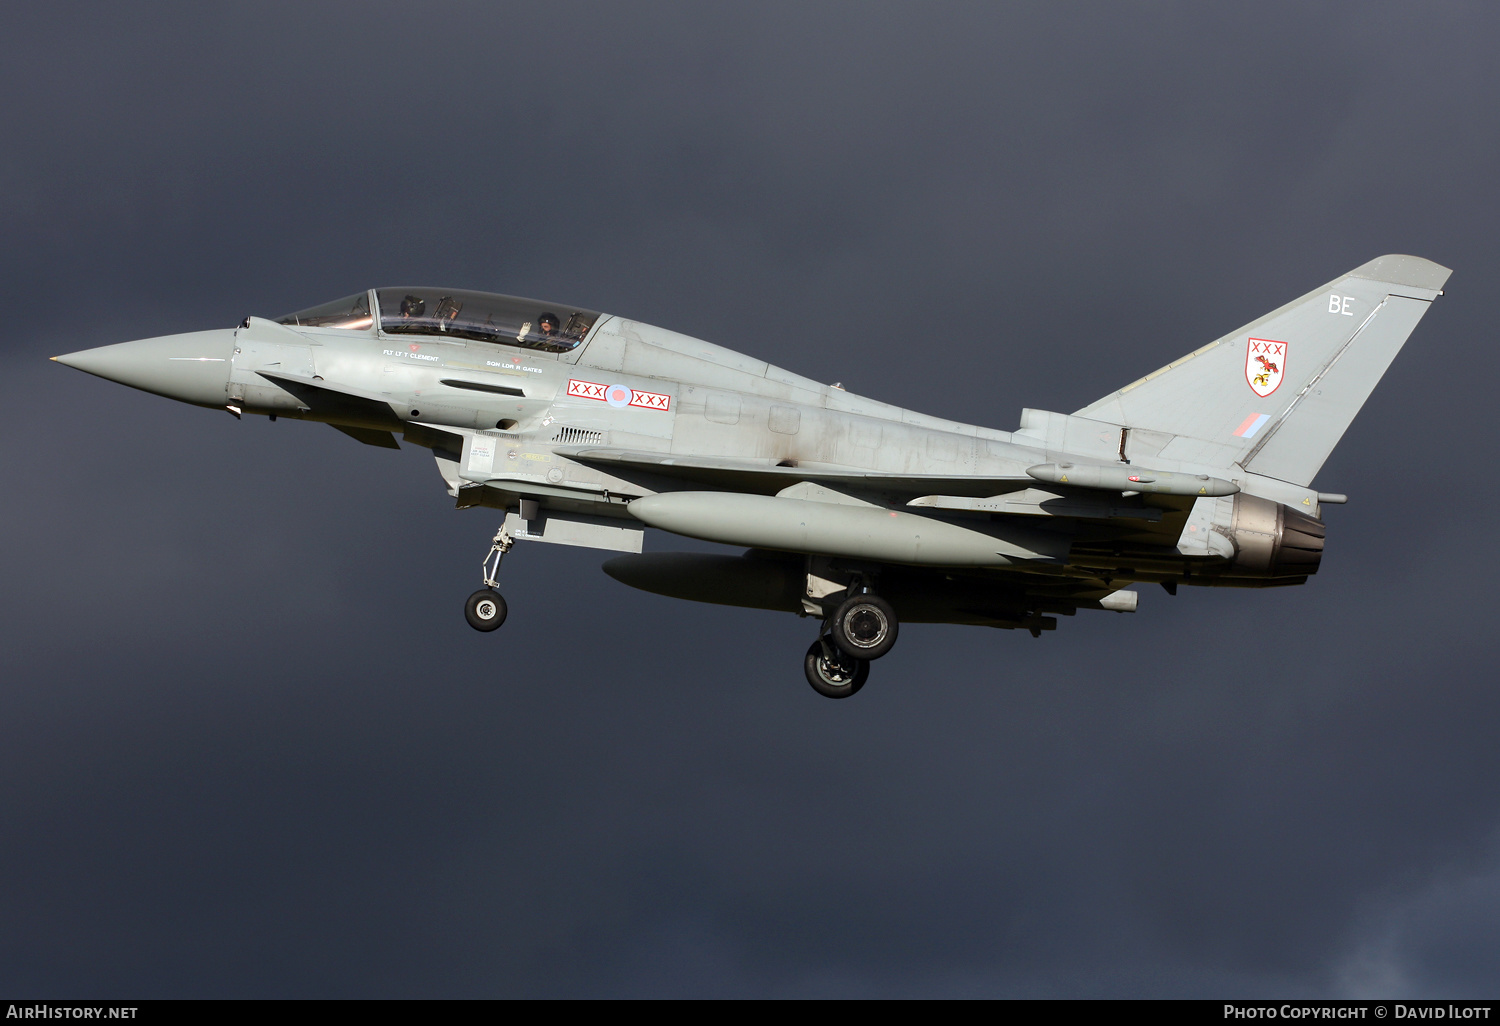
(193, 368)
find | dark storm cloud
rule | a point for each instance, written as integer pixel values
(248, 747)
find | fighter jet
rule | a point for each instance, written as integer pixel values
(584, 428)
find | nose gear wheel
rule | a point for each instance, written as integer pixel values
(485, 610)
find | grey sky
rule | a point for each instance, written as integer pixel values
(249, 747)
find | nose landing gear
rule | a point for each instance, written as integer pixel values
(486, 610)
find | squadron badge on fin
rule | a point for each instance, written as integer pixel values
(1265, 365)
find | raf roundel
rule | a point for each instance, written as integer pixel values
(617, 396)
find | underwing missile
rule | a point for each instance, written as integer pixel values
(1124, 478)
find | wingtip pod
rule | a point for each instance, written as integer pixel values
(1409, 271)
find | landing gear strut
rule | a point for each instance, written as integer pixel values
(485, 610)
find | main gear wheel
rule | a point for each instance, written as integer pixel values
(831, 673)
(864, 626)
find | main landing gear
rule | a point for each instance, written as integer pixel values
(485, 610)
(862, 628)
(831, 673)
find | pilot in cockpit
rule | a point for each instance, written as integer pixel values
(547, 324)
(413, 306)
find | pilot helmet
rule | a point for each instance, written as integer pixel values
(413, 306)
(546, 319)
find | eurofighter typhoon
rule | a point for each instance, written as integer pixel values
(584, 428)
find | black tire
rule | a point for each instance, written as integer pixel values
(837, 678)
(485, 610)
(864, 626)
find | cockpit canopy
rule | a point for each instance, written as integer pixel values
(484, 317)
(352, 312)
(479, 316)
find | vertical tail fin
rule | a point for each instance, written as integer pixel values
(1276, 396)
